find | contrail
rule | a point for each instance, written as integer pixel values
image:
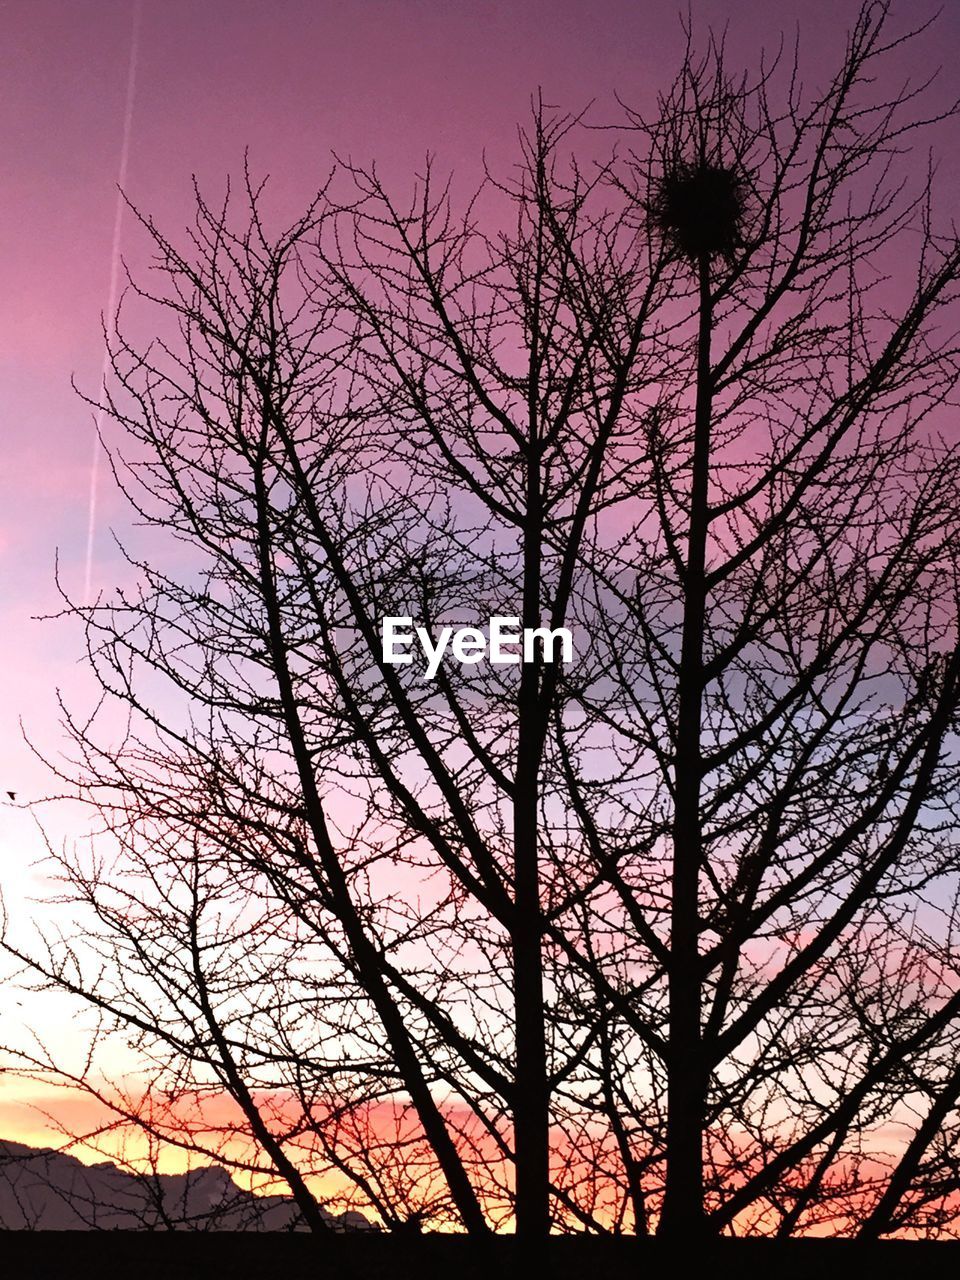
(112, 295)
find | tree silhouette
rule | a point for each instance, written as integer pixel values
(661, 939)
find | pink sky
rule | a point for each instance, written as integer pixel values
(292, 80)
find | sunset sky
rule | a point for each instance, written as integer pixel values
(292, 81)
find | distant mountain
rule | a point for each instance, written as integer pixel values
(46, 1190)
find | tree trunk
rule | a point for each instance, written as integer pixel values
(530, 1110)
(682, 1214)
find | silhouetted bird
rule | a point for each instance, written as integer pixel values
(12, 795)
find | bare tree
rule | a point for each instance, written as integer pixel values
(659, 938)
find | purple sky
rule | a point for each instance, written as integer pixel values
(292, 80)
